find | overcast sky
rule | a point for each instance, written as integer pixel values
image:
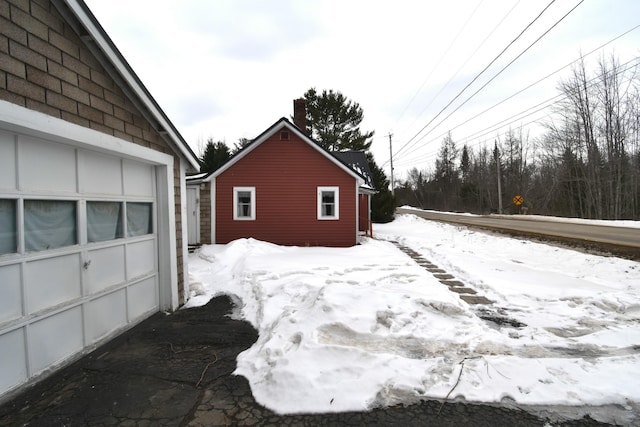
(228, 69)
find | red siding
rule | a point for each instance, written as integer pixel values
(363, 210)
(286, 175)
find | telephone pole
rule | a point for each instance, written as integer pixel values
(497, 156)
(391, 162)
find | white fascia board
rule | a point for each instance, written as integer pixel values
(34, 123)
(185, 231)
(364, 189)
(132, 80)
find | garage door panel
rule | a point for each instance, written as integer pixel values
(106, 268)
(140, 259)
(13, 369)
(10, 293)
(46, 166)
(52, 281)
(55, 338)
(138, 179)
(143, 297)
(100, 174)
(7, 161)
(105, 314)
(79, 249)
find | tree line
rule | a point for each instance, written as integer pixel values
(585, 164)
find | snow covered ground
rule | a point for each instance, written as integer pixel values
(354, 328)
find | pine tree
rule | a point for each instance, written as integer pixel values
(382, 203)
(215, 155)
(242, 142)
(334, 121)
(465, 164)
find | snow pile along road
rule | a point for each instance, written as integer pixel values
(354, 328)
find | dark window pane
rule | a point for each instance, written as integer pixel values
(244, 204)
(328, 197)
(328, 203)
(327, 210)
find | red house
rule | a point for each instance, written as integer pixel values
(286, 189)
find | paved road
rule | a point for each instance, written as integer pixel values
(620, 236)
(176, 370)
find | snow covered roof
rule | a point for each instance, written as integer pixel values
(357, 160)
(197, 178)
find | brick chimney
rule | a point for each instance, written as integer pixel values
(300, 114)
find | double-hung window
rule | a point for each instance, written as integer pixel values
(244, 203)
(328, 203)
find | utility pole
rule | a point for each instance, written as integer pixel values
(497, 155)
(391, 162)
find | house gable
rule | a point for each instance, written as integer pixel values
(286, 173)
(284, 125)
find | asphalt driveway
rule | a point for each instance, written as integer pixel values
(176, 370)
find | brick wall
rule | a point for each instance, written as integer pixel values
(44, 66)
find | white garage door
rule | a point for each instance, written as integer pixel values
(78, 251)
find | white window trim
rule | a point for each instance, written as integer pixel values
(336, 190)
(251, 217)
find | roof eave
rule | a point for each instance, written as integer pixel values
(98, 36)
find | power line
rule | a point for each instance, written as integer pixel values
(476, 77)
(521, 115)
(462, 66)
(439, 61)
(536, 82)
(499, 72)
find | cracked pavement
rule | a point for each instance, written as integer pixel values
(176, 370)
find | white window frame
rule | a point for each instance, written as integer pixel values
(336, 191)
(252, 191)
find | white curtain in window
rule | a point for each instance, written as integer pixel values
(139, 219)
(104, 221)
(49, 224)
(7, 226)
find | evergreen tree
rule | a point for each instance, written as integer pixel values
(382, 203)
(446, 171)
(465, 163)
(334, 121)
(242, 142)
(215, 155)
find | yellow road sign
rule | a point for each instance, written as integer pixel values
(518, 200)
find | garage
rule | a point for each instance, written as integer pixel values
(79, 258)
(93, 223)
